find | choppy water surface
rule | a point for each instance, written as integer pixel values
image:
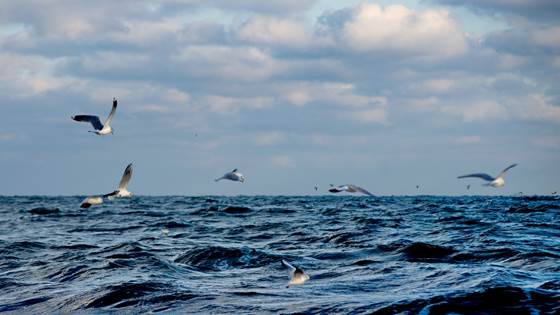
(222, 255)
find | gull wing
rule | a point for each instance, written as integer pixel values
(484, 176)
(126, 177)
(111, 194)
(112, 113)
(287, 264)
(363, 191)
(93, 120)
(506, 169)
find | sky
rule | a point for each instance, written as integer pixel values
(386, 95)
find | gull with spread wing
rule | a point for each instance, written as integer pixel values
(297, 275)
(121, 192)
(234, 175)
(496, 182)
(100, 129)
(349, 188)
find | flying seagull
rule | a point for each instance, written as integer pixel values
(297, 275)
(497, 181)
(100, 129)
(121, 191)
(233, 175)
(350, 189)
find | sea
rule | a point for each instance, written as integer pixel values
(222, 255)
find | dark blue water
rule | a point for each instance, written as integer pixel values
(428, 255)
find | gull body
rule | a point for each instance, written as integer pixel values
(297, 275)
(91, 201)
(234, 175)
(122, 191)
(496, 182)
(101, 129)
(349, 188)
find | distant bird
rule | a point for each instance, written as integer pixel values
(554, 192)
(468, 186)
(121, 191)
(297, 275)
(165, 231)
(417, 186)
(350, 189)
(233, 175)
(316, 188)
(100, 129)
(497, 181)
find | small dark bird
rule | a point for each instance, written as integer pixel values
(316, 188)
(468, 187)
(417, 186)
(554, 192)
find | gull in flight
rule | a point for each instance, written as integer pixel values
(497, 181)
(100, 129)
(297, 275)
(350, 189)
(121, 192)
(233, 175)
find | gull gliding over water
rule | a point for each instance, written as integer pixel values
(297, 275)
(497, 181)
(121, 192)
(233, 175)
(350, 189)
(100, 129)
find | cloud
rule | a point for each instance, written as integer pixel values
(469, 140)
(269, 138)
(283, 161)
(396, 28)
(274, 31)
(230, 105)
(479, 111)
(374, 115)
(540, 10)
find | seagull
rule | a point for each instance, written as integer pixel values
(497, 181)
(554, 192)
(100, 129)
(233, 175)
(121, 191)
(297, 275)
(316, 188)
(350, 189)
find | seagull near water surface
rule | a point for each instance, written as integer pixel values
(297, 275)
(234, 175)
(349, 188)
(496, 182)
(121, 192)
(100, 129)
